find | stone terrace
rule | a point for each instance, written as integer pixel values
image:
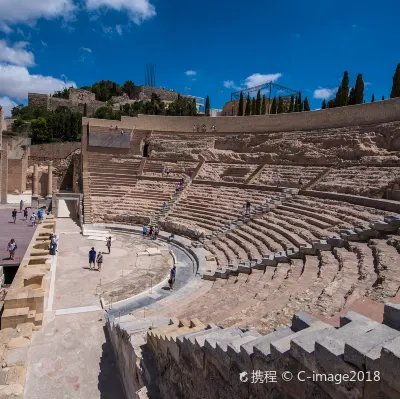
(226, 172)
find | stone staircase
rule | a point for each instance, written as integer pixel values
(186, 358)
(317, 179)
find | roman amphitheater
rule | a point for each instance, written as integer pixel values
(296, 297)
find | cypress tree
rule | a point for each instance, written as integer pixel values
(207, 107)
(258, 103)
(352, 96)
(373, 98)
(344, 95)
(396, 83)
(247, 111)
(280, 105)
(306, 105)
(273, 106)
(323, 104)
(291, 106)
(241, 105)
(383, 98)
(264, 105)
(299, 103)
(359, 90)
(253, 106)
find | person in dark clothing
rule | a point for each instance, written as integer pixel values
(92, 258)
(14, 215)
(108, 244)
(172, 276)
(248, 206)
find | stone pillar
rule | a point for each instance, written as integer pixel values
(50, 180)
(35, 181)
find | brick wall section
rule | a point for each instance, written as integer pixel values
(54, 151)
(386, 205)
(355, 115)
(17, 175)
(3, 176)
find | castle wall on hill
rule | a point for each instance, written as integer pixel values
(363, 114)
(145, 92)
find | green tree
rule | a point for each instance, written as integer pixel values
(64, 93)
(291, 105)
(85, 110)
(253, 106)
(105, 89)
(306, 105)
(373, 98)
(207, 107)
(273, 106)
(241, 105)
(383, 98)
(359, 90)
(87, 88)
(331, 104)
(129, 88)
(342, 95)
(396, 83)
(39, 130)
(280, 109)
(299, 103)
(264, 105)
(352, 96)
(323, 104)
(258, 103)
(247, 111)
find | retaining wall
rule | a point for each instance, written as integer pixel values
(362, 114)
(54, 150)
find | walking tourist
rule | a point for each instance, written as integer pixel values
(194, 128)
(33, 219)
(172, 277)
(278, 180)
(21, 205)
(171, 237)
(167, 171)
(177, 187)
(99, 261)
(198, 128)
(11, 247)
(92, 258)
(165, 206)
(204, 128)
(248, 206)
(54, 244)
(156, 231)
(144, 228)
(301, 182)
(40, 215)
(162, 171)
(108, 244)
(14, 215)
(26, 213)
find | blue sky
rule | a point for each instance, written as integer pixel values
(205, 46)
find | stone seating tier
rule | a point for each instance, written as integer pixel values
(308, 345)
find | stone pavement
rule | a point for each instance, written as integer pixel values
(70, 356)
(21, 231)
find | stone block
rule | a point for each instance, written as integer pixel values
(293, 252)
(209, 275)
(382, 226)
(244, 267)
(367, 347)
(281, 257)
(335, 241)
(307, 250)
(321, 245)
(270, 261)
(221, 273)
(391, 315)
(393, 220)
(302, 320)
(349, 235)
(390, 363)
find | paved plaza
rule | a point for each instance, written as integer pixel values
(70, 356)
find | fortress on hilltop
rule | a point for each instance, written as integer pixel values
(85, 102)
(286, 236)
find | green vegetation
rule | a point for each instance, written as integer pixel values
(264, 105)
(247, 111)
(291, 105)
(206, 108)
(323, 104)
(258, 103)
(241, 105)
(273, 106)
(306, 105)
(281, 107)
(48, 126)
(396, 83)
(253, 106)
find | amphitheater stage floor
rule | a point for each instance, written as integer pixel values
(71, 357)
(21, 231)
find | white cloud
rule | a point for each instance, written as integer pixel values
(323, 93)
(17, 54)
(190, 73)
(118, 28)
(7, 105)
(258, 79)
(44, 44)
(138, 10)
(16, 81)
(89, 50)
(25, 11)
(229, 83)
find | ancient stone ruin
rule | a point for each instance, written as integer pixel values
(289, 226)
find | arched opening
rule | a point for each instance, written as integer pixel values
(146, 150)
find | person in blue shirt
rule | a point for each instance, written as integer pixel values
(40, 215)
(92, 258)
(144, 230)
(171, 237)
(172, 276)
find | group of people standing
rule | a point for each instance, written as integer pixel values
(196, 128)
(151, 231)
(95, 257)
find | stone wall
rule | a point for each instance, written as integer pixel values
(2, 126)
(3, 176)
(145, 92)
(36, 100)
(363, 114)
(79, 96)
(17, 174)
(54, 150)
